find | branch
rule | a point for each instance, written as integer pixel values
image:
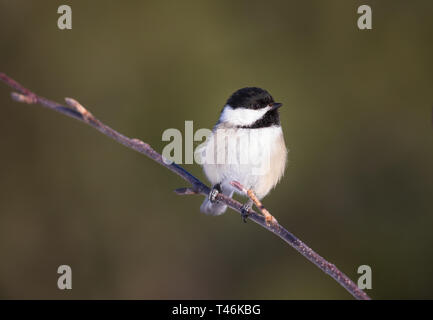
(269, 218)
(77, 111)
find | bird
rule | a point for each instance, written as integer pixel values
(247, 146)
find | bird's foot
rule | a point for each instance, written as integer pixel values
(214, 192)
(245, 210)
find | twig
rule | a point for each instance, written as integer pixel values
(77, 111)
(269, 218)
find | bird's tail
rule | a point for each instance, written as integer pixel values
(216, 208)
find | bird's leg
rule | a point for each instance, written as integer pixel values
(245, 209)
(214, 192)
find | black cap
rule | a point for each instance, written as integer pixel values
(250, 98)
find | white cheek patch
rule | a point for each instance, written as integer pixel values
(242, 116)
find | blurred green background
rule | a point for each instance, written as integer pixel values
(357, 119)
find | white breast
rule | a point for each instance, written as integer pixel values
(254, 157)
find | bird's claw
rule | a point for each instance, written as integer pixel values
(214, 193)
(245, 212)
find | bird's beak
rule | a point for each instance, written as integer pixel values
(276, 105)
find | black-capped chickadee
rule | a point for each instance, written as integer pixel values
(246, 145)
